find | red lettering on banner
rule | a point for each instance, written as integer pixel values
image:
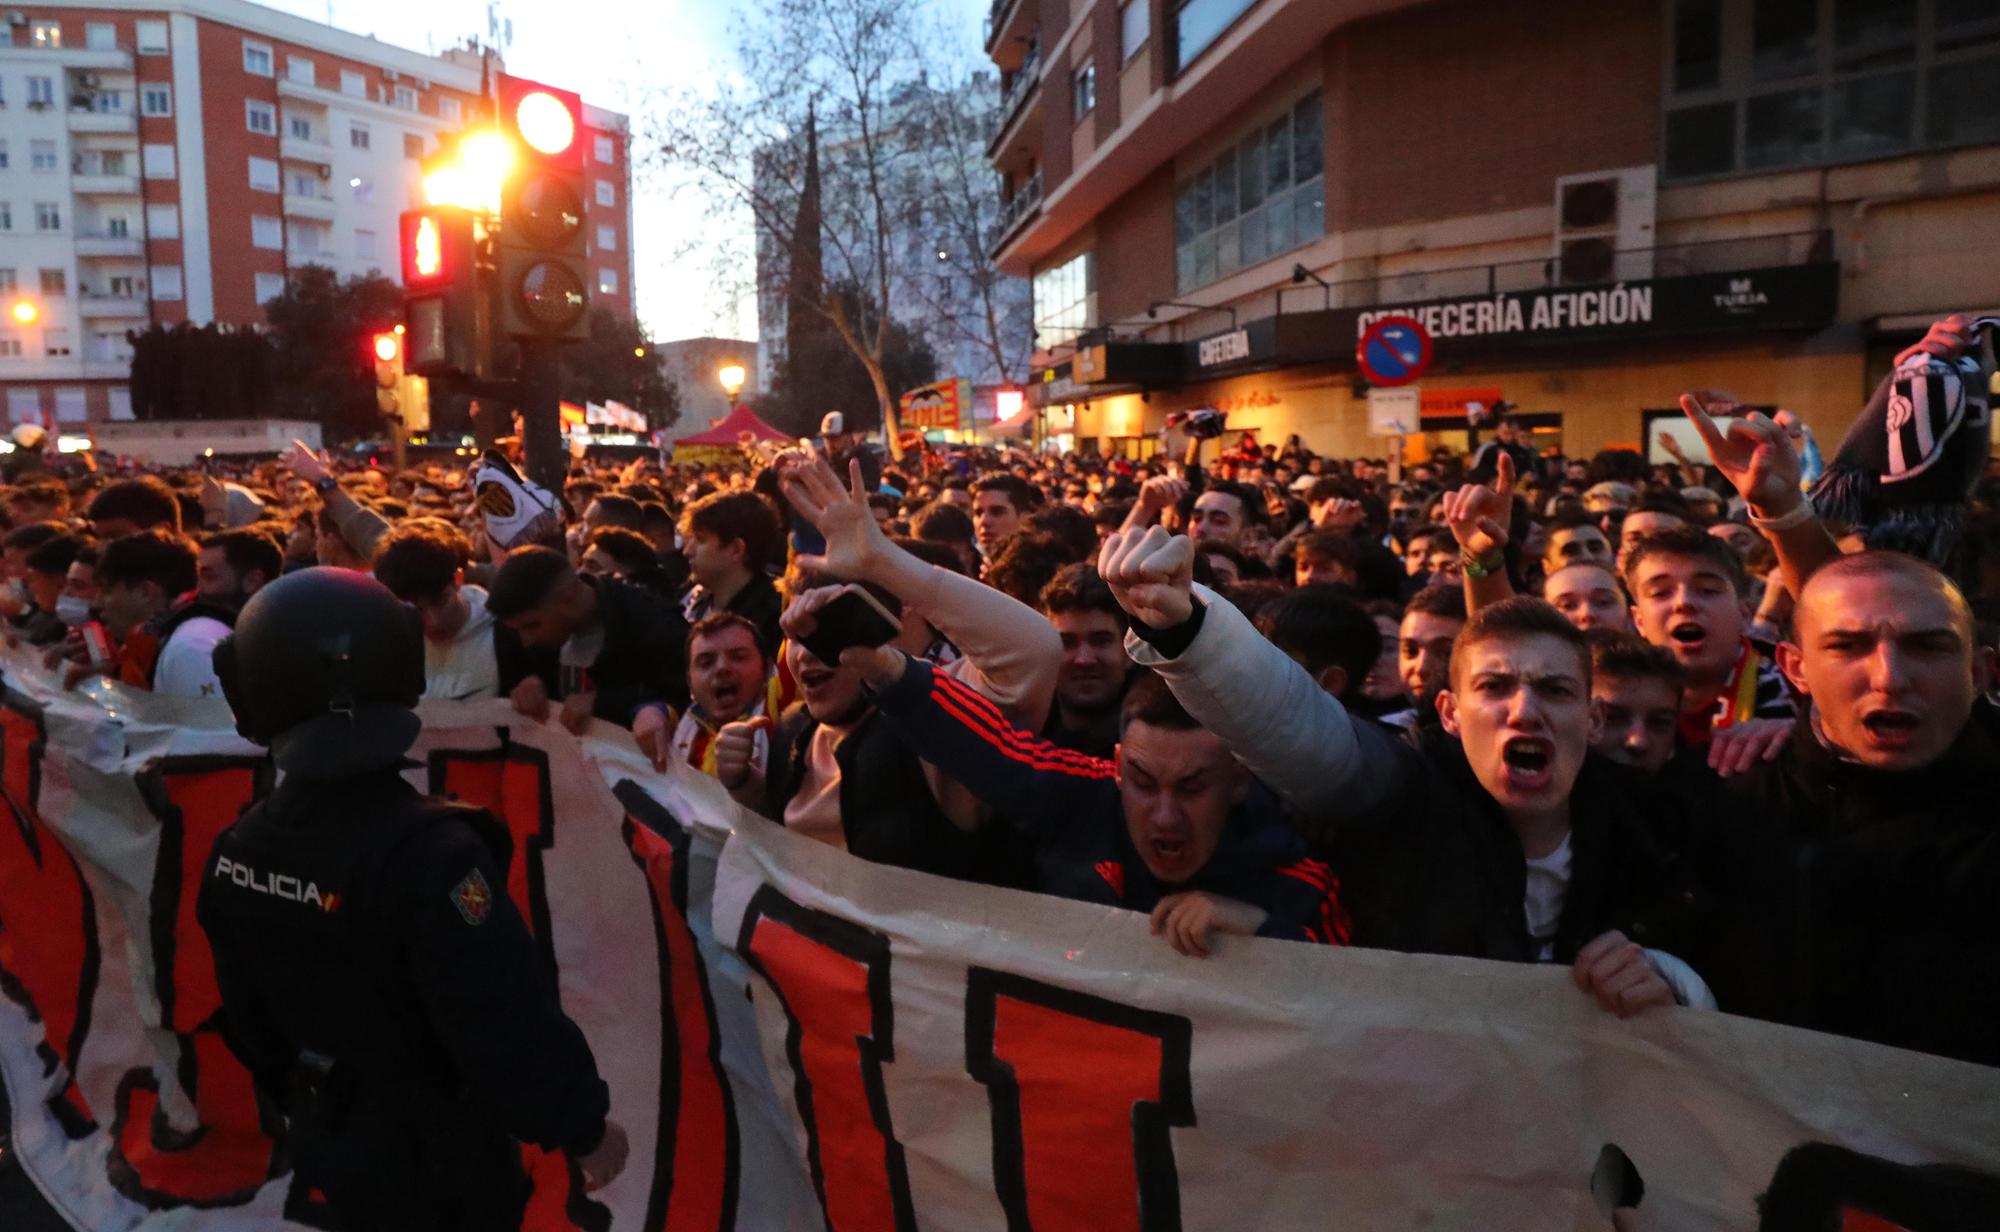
(512, 783)
(1083, 1091)
(229, 1156)
(694, 1184)
(49, 957)
(832, 980)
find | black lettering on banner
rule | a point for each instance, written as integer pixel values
(692, 1190)
(831, 977)
(1107, 1082)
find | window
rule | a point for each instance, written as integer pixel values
(118, 227)
(260, 117)
(299, 127)
(7, 224)
(303, 184)
(301, 71)
(607, 238)
(607, 282)
(413, 145)
(1083, 91)
(48, 216)
(1198, 23)
(269, 287)
(357, 136)
(70, 403)
(163, 222)
(24, 405)
(124, 286)
(257, 58)
(108, 102)
(156, 100)
(607, 193)
(1264, 197)
(267, 231)
(363, 187)
(111, 162)
(166, 282)
(46, 35)
(364, 244)
(41, 92)
(42, 156)
(55, 342)
(54, 282)
(1763, 84)
(156, 162)
(353, 84)
(264, 174)
(3, 154)
(100, 36)
(121, 402)
(449, 110)
(10, 348)
(7, 282)
(1134, 24)
(604, 150)
(404, 98)
(152, 38)
(1065, 301)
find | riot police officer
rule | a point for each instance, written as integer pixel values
(376, 978)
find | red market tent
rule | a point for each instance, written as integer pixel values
(726, 435)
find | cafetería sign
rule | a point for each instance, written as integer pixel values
(1223, 348)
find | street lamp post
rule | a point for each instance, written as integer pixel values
(25, 312)
(731, 376)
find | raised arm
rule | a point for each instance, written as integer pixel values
(1478, 517)
(1758, 457)
(1270, 711)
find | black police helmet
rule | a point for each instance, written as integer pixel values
(325, 666)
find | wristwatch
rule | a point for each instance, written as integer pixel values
(325, 484)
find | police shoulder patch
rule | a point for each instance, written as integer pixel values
(473, 898)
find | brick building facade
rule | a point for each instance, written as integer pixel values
(1776, 200)
(176, 161)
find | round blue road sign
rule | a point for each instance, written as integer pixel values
(1394, 351)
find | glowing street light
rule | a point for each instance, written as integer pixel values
(638, 352)
(731, 376)
(473, 176)
(25, 312)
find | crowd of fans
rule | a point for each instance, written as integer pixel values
(1665, 725)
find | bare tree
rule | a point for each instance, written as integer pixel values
(896, 143)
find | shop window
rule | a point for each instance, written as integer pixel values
(1065, 301)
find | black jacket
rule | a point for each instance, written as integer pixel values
(371, 925)
(887, 811)
(1436, 869)
(1858, 901)
(644, 658)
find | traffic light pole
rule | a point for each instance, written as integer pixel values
(542, 445)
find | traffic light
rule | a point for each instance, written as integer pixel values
(543, 258)
(444, 306)
(388, 349)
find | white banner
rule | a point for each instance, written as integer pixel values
(870, 1048)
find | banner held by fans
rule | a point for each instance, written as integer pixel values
(936, 407)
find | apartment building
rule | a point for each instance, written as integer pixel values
(1593, 205)
(175, 161)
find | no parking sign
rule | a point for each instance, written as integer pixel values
(1394, 351)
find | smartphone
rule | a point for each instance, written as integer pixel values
(852, 618)
(96, 643)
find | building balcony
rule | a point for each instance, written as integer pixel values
(107, 369)
(1024, 85)
(1007, 19)
(119, 123)
(108, 307)
(305, 150)
(314, 205)
(97, 184)
(1017, 210)
(99, 245)
(88, 58)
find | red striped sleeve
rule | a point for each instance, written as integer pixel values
(978, 703)
(1033, 754)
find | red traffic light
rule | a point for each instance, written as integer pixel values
(546, 121)
(423, 245)
(387, 347)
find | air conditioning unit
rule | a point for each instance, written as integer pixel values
(86, 81)
(1604, 226)
(390, 74)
